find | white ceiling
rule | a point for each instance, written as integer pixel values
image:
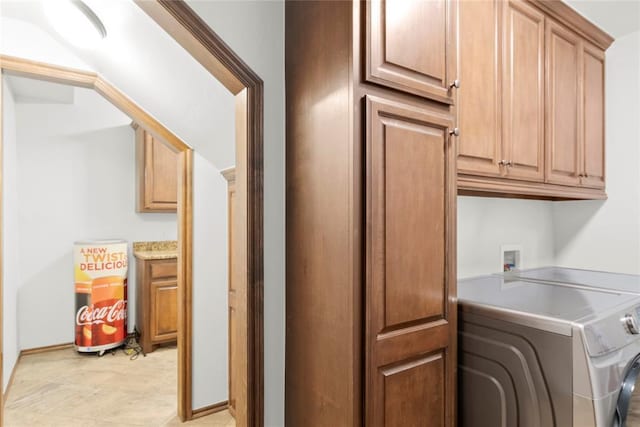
(616, 17)
(143, 61)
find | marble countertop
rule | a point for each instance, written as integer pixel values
(165, 249)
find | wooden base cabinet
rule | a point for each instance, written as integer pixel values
(156, 302)
(370, 231)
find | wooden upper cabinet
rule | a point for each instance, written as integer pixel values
(501, 102)
(411, 45)
(157, 174)
(531, 102)
(523, 83)
(575, 109)
(479, 98)
(411, 328)
(564, 56)
(593, 162)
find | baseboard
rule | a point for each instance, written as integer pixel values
(27, 352)
(44, 349)
(208, 410)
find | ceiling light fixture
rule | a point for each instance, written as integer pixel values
(76, 22)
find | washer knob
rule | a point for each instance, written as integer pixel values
(631, 324)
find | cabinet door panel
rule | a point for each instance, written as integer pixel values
(411, 46)
(413, 392)
(523, 90)
(593, 118)
(479, 145)
(410, 278)
(404, 301)
(563, 105)
(164, 310)
(162, 175)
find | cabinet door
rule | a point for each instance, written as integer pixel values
(164, 310)
(479, 145)
(523, 82)
(593, 153)
(411, 46)
(410, 275)
(563, 105)
(158, 175)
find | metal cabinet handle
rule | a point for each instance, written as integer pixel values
(502, 163)
(454, 132)
(455, 83)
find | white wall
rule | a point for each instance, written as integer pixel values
(76, 175)
(255, 31)
(484, 224)
(10, 237)
(210, 279)
(605, 235)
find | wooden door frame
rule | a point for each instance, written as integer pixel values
(194, 35)
(229, 175)
(205, 46)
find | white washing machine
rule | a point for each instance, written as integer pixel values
(545, 354)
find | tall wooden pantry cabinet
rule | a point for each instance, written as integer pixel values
(371, 193)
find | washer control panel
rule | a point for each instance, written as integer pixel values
(613, 332)
(630, 323)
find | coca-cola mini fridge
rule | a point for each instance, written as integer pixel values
(101, 294)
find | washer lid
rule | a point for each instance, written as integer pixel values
(528, 302)
(614, 282)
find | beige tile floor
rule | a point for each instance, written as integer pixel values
(66, 389)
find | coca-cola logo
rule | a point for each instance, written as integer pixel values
(97, 315)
